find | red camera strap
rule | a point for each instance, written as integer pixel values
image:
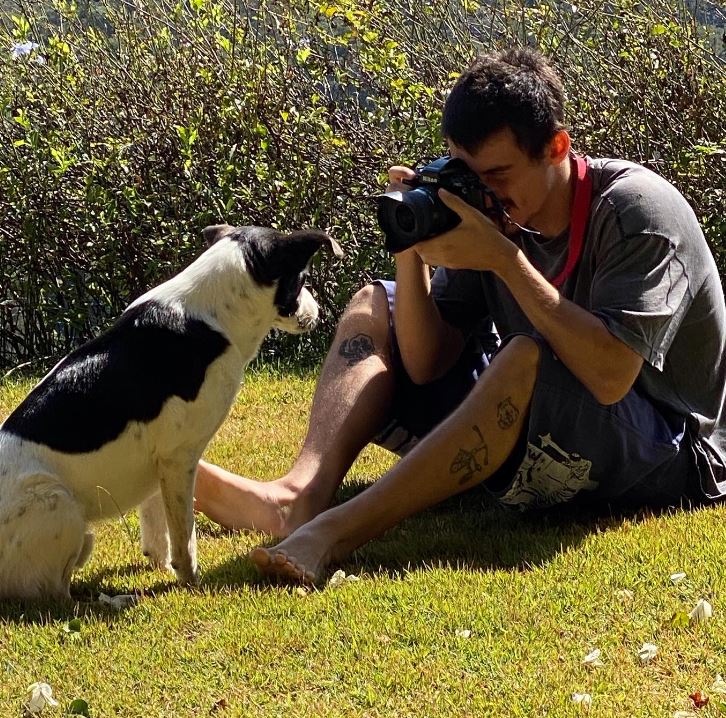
(578, 218)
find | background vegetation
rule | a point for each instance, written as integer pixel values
(134, 123)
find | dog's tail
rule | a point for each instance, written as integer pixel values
(42, 537)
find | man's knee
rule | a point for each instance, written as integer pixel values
(523, 353)
(366, 321)
(369, 304)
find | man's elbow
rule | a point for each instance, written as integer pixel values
(421, 374)
(610, 391)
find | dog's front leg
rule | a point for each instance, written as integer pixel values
(177, 492)
(154, 533)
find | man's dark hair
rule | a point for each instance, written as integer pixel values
(516, 89)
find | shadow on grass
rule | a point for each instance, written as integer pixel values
(84, 602)
(465, 532)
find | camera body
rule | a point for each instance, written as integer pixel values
(407, 218)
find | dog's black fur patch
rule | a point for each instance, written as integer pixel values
(126, 374)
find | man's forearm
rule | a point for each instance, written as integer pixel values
(603, 363)
(429, 346)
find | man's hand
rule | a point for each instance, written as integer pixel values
(475, 243)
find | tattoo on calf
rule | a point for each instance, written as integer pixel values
(356, 349)
(507, 413)
(468, 461)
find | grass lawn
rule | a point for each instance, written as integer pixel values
(462, 611)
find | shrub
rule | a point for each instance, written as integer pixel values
(145, 121)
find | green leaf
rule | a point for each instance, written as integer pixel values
(680, 619)
(78, 707)
(73, 627)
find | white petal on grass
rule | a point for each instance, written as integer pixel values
(625, 595)
(463, 632)
(40, 695)
(339, 578)
(123, 600)
(677, 577)
(719, 686)
(702, 611)
(583, 699)
(647, 652)
(684, 714)
(592, 659)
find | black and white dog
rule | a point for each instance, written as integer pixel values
(123, 420)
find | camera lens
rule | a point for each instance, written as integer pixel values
(405, 218)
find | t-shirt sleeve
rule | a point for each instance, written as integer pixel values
(459, 297)
(640, 287)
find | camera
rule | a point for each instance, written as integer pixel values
(407, 218)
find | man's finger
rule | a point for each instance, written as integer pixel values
(453, 201)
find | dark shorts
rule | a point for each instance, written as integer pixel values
(574, 448)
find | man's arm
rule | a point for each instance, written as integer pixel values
(603, 363)
(429, 346)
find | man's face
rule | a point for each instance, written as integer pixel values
(522, 184)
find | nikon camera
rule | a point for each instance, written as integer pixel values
(407, 218)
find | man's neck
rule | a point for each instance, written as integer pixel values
(555, 216)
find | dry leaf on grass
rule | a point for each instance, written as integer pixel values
(647, 652)
(584, 700)
(40, 695)
(702, 611)
(592, 659)
(339, 578)
(123, 600)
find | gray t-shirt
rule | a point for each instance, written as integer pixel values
(646, 271)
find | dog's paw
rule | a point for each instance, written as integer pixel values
(187, 576)
(157, 560)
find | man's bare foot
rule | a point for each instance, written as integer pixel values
(273, 507)
(301, 557)
(274, 562)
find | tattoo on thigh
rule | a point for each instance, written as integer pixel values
(356, 349)
(507, 413)
(468, 461)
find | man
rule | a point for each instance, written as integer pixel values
(608, 384)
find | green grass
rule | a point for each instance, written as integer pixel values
(537, 593)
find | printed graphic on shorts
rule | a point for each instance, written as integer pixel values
(548, 475)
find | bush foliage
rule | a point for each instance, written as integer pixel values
(135, 123)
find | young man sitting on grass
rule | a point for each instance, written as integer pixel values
(607, 385)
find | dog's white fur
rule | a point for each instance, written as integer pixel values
(48, 498)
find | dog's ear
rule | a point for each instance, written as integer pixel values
(270, 255)
(215, 232)
(311, 240)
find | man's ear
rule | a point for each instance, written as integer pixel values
(559, 147)
(215, 232)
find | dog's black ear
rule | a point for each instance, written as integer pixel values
(271, 255)
(311, 240)
(215, 232)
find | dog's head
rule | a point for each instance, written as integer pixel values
(282, 261)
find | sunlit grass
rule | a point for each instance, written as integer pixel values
(537, 593)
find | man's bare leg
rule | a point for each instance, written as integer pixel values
(351, 403)
(462, 451)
